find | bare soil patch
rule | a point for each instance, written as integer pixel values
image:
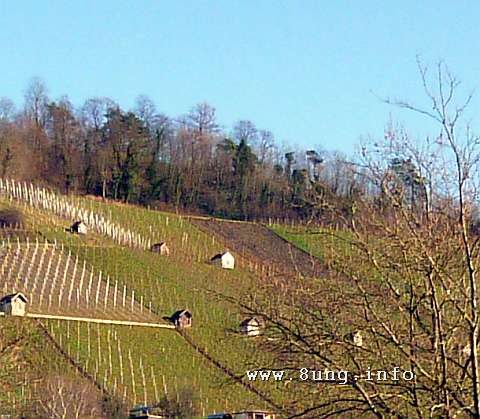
(257, 243)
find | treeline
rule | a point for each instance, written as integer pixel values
(188, 162)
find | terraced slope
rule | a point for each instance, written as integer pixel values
(28, 361)
(57, 283)
(140, 365)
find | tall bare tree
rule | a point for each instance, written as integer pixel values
(395, 316)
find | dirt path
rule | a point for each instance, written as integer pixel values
(261, 245)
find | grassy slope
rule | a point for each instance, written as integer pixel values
(26, 358)
(320, 242)
(183, 280)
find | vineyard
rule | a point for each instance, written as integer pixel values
(57, 283)
(109, 274)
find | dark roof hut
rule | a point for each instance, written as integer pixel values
(182, 318)
(225, 260)
(79, 227)
(161, 248)
(251, 326)
(14, 304)
(356, 338)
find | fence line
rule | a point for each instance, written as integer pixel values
(98, 321)
(59, 205)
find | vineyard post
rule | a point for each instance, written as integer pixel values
(82, 277)
(145, 397)
(155, 389)
(72, 282)
(107, 286)
(98, 288)
(89, 288)
(120, 358)
(132, 373)
(62, 286)
(110, 352)
(164, 385)
(89, 341)
(115, 294)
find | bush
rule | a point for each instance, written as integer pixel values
(65, 396)
(113, 408)
(10, 218)
(181, 406)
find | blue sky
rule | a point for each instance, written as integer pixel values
(305, 70)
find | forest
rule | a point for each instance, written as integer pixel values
(189, 163)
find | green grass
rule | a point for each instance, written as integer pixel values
(111, 353)
(26, 358)
(183, 280)
(321, 242)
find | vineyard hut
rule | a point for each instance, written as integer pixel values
(251, 326)
(355, 337)
(182, 319)
(161, 248)
(79, 227)
(225, 260)
(14, 304)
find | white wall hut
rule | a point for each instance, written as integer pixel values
(355, 337)
(14, 304)
(79, 227)
(161, 248)
(225, 260)
(251, 327)
(182, 318)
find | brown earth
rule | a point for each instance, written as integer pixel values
(257, 243)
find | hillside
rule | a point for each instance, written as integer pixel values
(97, 322)
(95, 277)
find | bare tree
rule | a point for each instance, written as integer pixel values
(7, 109)
(94, 111)
(145, 109)
(401, 277)
(66, 398)
(202, 118)
(245, 130)
(264, 146)
(36, 101)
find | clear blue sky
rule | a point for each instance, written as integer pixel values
(303, 69)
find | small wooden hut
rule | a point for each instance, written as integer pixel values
(225, 260)
(14, 304)
(79, 227)
(161, 248)
(182, 319)
(355, 337)
(251, 327)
